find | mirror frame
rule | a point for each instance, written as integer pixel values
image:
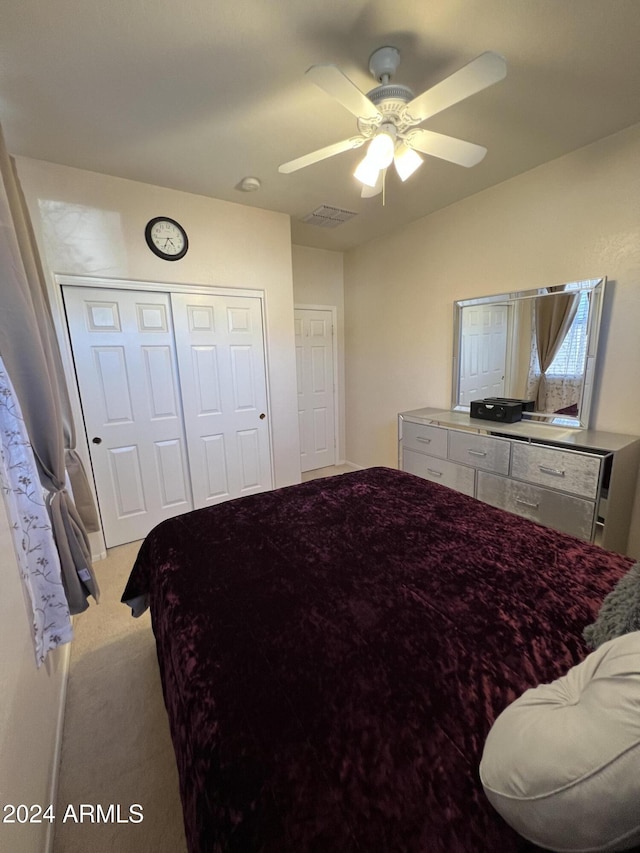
(596, 286)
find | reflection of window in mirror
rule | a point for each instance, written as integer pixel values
(559, 387)
(569, 360)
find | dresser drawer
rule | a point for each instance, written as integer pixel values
(428, 439)
(481, 451)
(553, 509)
(458, 477)
(577, 473)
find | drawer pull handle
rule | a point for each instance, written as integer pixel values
(477, 452)
(423, 440)
(433, 472)
(556, 472)
(526, 503)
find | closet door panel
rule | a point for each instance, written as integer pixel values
(220, 350)
(124, 353)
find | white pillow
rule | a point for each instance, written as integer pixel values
(561, 764)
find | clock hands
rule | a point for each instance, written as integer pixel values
(169, 245)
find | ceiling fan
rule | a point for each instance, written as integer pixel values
(387, 117)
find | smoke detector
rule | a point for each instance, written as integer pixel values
(249, 185)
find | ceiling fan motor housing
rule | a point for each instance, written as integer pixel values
(390, 92)
(390, 100)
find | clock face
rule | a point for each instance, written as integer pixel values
(166, 238)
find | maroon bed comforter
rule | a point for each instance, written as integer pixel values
(333, 655)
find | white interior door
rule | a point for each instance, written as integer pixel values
(220, 352)
(124, 353)
(483, 352)
(316, 395)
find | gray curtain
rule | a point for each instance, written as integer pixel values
(32, 359)
(553, 319)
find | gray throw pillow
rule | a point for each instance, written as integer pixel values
(560, 764)
(620, 611)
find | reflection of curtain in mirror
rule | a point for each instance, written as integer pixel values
(521, 344)
(552, 320)
(533, 379)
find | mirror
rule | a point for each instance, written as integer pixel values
(538, 345)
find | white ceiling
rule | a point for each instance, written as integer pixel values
(196, 95)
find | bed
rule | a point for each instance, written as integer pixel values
(333, 655)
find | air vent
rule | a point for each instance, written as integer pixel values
(328, 217)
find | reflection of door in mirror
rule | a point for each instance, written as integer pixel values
(483, 362)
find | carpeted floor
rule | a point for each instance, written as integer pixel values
(116, 748)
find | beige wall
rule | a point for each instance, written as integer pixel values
(318, 279)
(30, 707)
(577, 217)
(88, 224)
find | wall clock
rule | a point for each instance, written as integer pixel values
(166, 238)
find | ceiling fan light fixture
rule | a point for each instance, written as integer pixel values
(406, 161)
(381, 148)
(379, 155)
(367, 172)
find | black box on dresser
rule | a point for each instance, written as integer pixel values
(506, 412)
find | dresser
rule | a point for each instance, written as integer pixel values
(579, 481)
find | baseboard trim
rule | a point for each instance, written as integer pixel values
(65, 656)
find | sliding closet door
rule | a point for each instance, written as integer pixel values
(173, 391)
(220, 349)
(124, 351)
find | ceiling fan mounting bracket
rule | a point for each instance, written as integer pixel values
(383, 63)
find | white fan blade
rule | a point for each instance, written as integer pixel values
(369, 192)
(485, 70)
(335, 83)
(321, 154)
(445, 147)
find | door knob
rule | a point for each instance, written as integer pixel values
(262, 416)
(97, 440)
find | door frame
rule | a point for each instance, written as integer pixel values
(96, 540)
(303, 306)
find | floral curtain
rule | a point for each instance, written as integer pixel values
(35, 547)
(553, 319)
(31, 357)
(551, 322)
